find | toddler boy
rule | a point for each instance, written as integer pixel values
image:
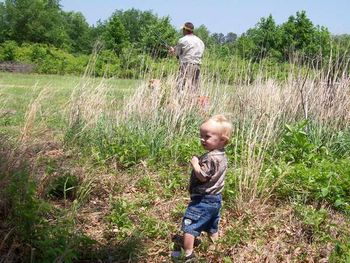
(206, 184)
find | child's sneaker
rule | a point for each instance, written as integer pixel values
(179, 256)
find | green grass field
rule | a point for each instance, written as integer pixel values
(18, 91)
(96, 170)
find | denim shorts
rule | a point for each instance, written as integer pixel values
(202, 214)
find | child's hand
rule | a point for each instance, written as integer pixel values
(197, 169)
(194, 161)
(171, 50)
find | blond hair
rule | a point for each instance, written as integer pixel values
(224, 125)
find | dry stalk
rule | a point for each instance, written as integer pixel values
(163, 105)
(88, 102)
(31, 113)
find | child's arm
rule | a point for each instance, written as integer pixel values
(197, 169)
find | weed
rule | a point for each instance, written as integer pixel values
(325, 180)
(131, 248)
(341, 252)
(173, 180)
(146, 183)
(295, 145)
(120, 217)
(178, 212)
(230, 189)
(314, 223)
(153, 227)
(234, 236)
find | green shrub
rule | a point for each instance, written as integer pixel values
(326, 180)
(314, 171)
(295, 146)
(8, 51)
(107, 64)
(48, 59)
(48, 241)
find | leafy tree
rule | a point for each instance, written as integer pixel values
(299, 34)
(245, 46)
(261, 41)
(115, 35)
(230, 37)
(203, 33)
(97, 31)
(135, 21)
(38, 21)
(268, 37)
(341, 46)
(79, 32)
(321, 42)
(218, 38)
(140, 30)
(342, 40)
(157, 36)
(4, 29)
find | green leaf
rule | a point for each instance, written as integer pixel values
(338, 202)
(324, 191)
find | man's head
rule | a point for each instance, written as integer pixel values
(187, 28)
(215, 132)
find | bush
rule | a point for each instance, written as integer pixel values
(295, 145)
(48, 242)
(313, 173)
(107, 64)
(327, 180)
(8, 51)
(48, 59)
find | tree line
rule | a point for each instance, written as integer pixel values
(44, 23)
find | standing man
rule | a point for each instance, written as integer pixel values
(189, 50)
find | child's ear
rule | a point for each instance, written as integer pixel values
(225, 139)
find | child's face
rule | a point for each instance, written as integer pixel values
(211, 137)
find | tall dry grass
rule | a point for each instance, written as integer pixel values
(32, 126)
(259, 110)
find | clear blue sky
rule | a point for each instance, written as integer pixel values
(223, 16)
